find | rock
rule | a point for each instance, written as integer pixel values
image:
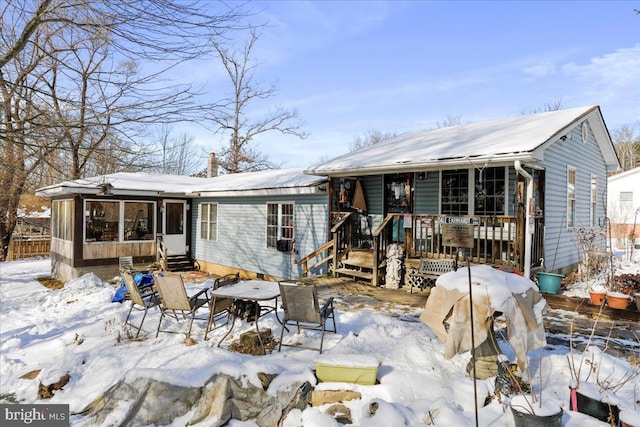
(321, 397)
(46, 391)
(341, 413)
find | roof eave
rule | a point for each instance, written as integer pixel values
(439, 164)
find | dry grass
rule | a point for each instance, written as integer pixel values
(50, 283)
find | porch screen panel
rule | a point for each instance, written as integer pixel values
(455, 192)
(490, 191)
(102, 221)
(139, 220)
(61, 219)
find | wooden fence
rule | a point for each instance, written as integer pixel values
(21, 248)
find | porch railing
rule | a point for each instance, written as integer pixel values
(495, 239)
(161, 255)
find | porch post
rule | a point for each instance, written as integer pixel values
(527, 230)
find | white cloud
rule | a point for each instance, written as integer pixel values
(610, 75)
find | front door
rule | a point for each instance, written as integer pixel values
(174, 214)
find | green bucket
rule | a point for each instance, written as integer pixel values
(549, 282)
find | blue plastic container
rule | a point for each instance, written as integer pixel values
(549, 282)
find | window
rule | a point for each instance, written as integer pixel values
(455, 192)
(103, 221)
(209, 221)
(62, 219)
(626, 200)
(279, 223)
(138, 220)
(571, 197)
(489, 191)
(594, 201)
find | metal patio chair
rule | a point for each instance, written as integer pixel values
(142, 299)
(219, 307)
(302, 309)
(175, 301)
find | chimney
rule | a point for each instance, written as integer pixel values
(212, 169)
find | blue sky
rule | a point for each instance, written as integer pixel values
(351, 67)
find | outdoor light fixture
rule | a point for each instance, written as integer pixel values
(105, 189)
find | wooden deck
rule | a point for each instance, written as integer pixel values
(584, 306)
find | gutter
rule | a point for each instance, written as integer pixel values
(528, 226)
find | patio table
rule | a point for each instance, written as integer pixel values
(253, 291)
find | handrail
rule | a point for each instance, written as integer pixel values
(341, 222)
(304, 261)
(382, 225)
(161, 255)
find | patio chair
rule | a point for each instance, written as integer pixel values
(142, 299)
(301, 307)
(174, 300)
(220, 306)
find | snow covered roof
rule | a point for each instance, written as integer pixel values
(284, 180)
(622, 176)
(516, 138)
(128, 183)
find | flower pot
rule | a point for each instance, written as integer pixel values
(549, 415)
(593, 407)
(617, 300)
(597, 297)
(549, 282)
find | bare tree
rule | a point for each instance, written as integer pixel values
(232, 117)
(552, 105)
(74, 95)
(370, 137)
(176, 155)
(451, 121)
(627, 146)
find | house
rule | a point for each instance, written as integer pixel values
(250, 222)
(521, 186)
(623, 208)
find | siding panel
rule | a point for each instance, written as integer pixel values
(587, 159)
(242, 235)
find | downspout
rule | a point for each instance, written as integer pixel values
(528, 228)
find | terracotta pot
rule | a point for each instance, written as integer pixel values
(597, 298)
(618, 301)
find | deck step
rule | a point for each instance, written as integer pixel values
(354, 273)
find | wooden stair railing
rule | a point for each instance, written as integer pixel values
(161, 255)
(337, 247)
(304, 261)
(381, 237)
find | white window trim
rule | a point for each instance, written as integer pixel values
(120, 220)
(279, 227)
(571, 216)
(593, 200)
(209, 222)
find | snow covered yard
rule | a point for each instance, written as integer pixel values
(78, 330)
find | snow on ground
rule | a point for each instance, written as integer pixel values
(78, 330)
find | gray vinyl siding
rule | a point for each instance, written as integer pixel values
(373, 190)
(427, 194)
(587, 160)
(242, 233)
